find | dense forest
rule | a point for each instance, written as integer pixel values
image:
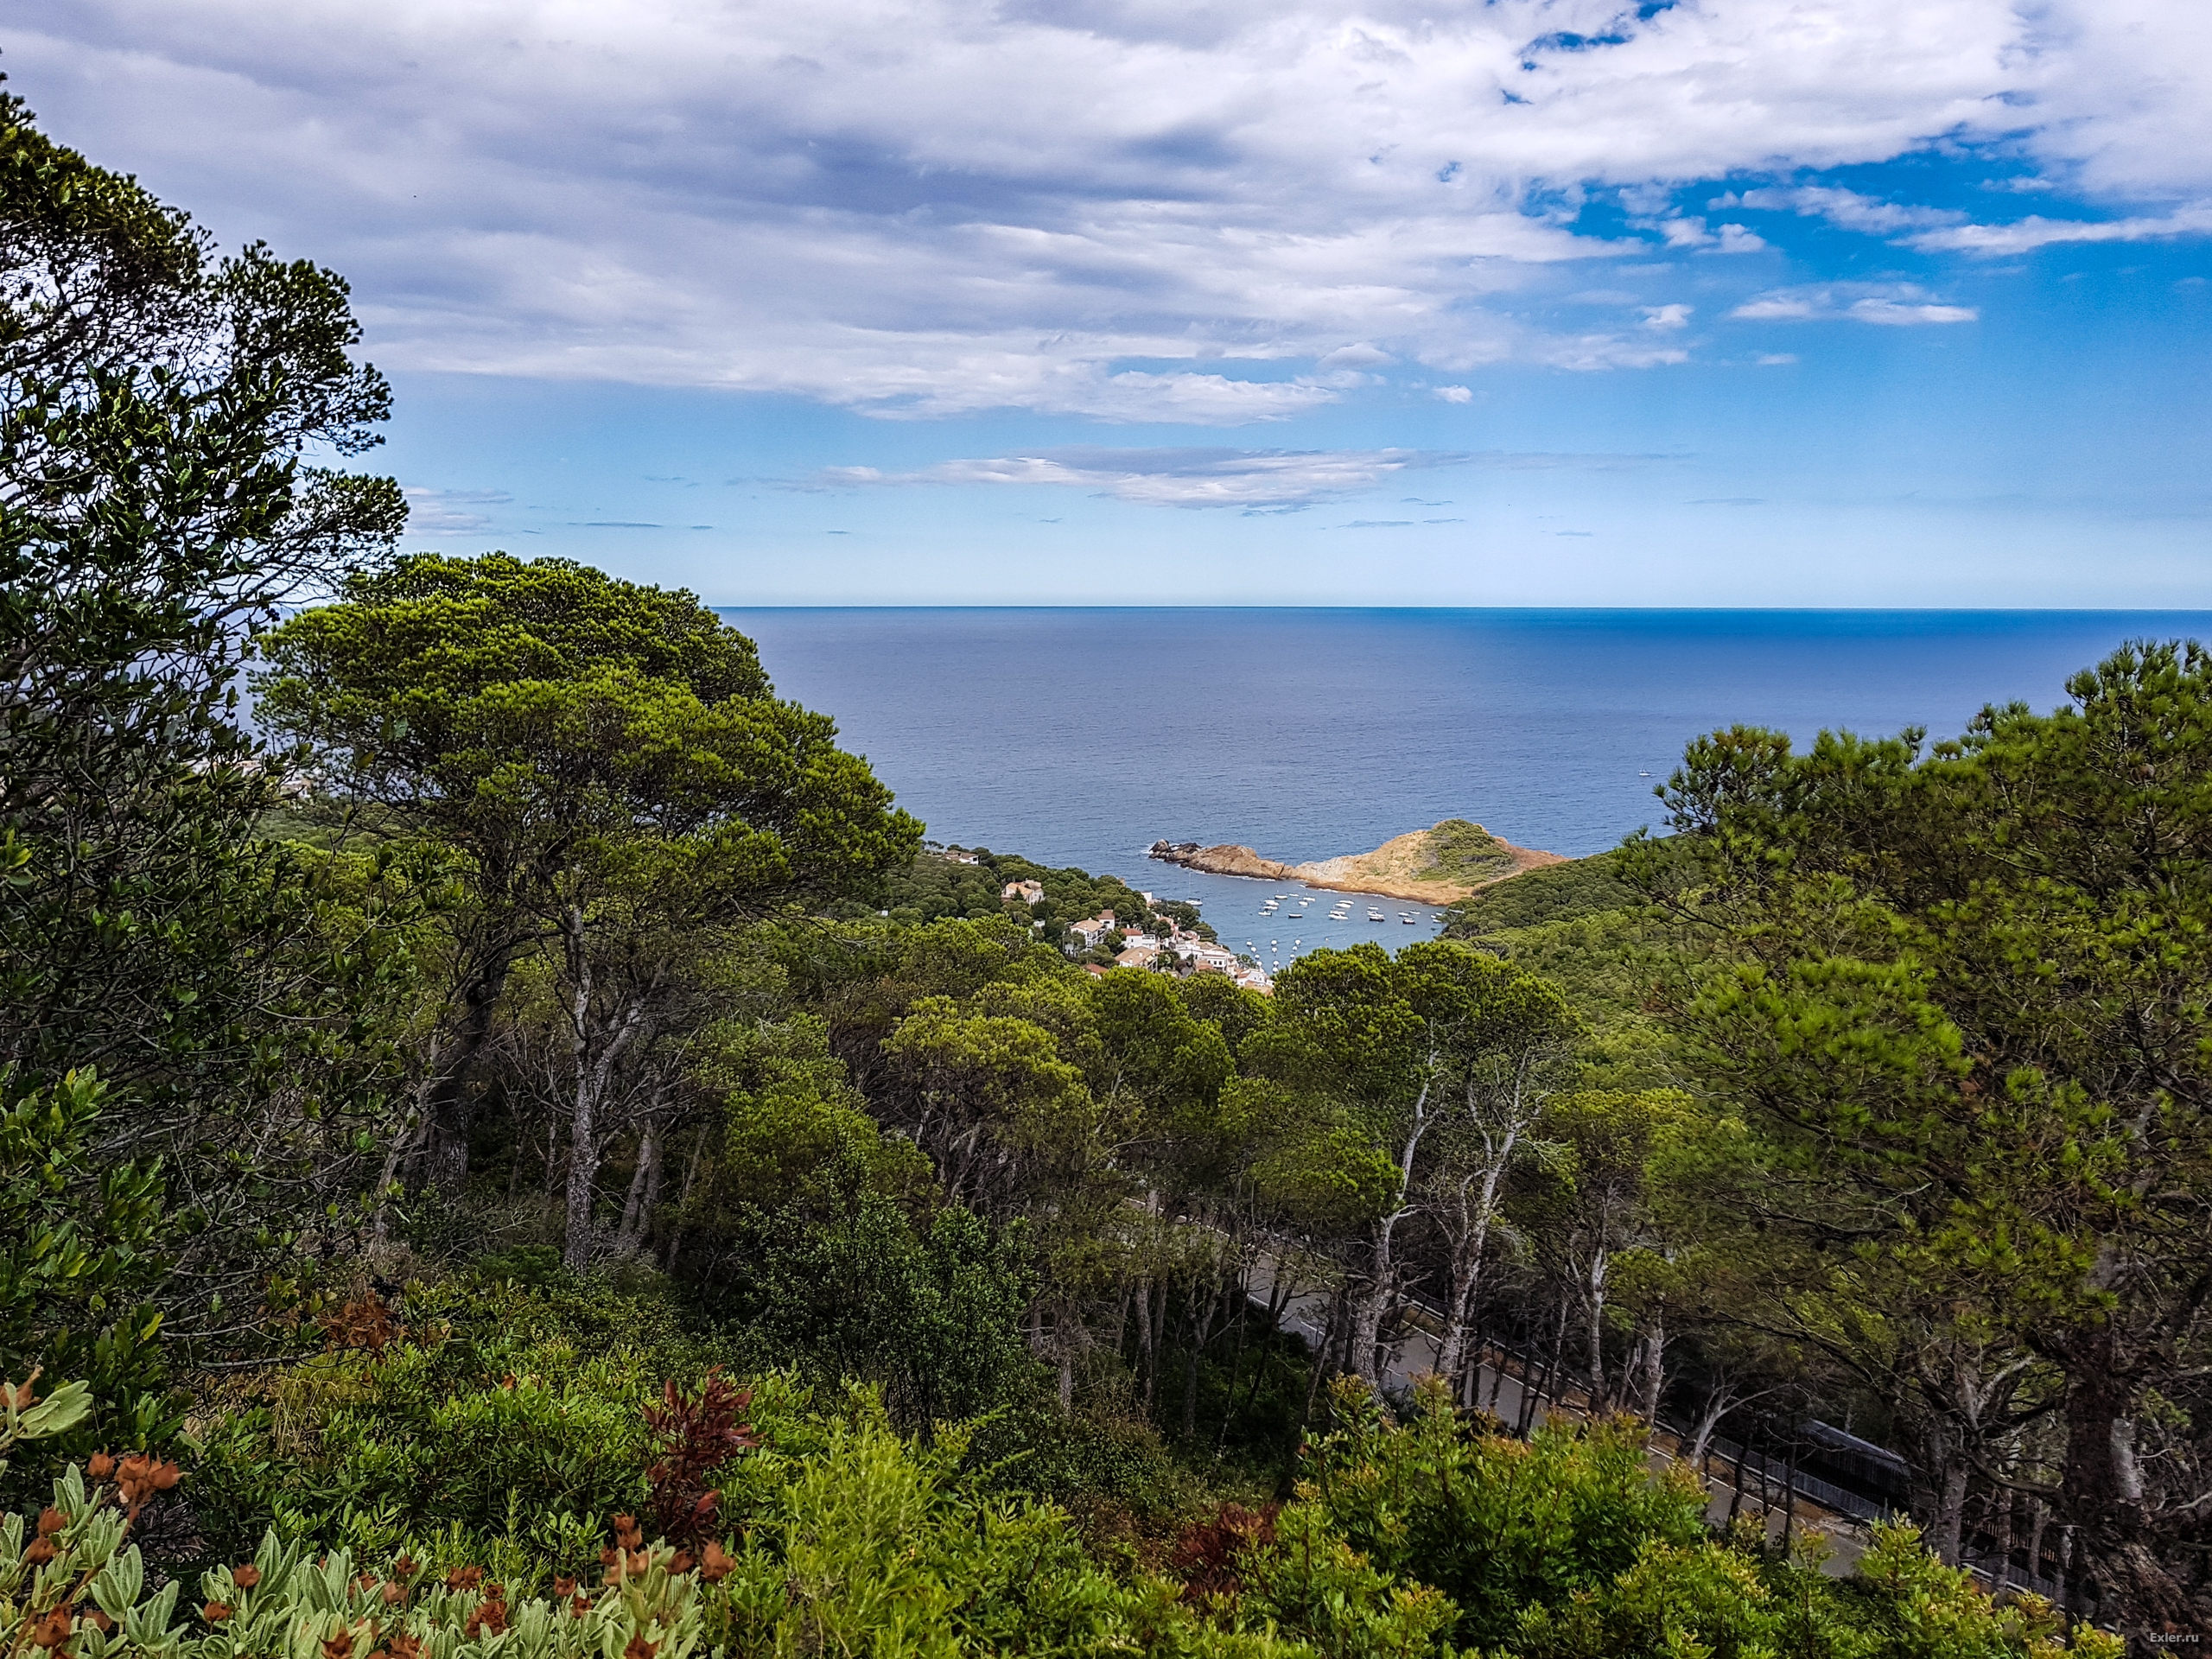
(510, 1139)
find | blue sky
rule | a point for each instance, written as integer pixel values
(1535, 301)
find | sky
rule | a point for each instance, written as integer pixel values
(1824, 303)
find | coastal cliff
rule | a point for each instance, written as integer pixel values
(1437, 866)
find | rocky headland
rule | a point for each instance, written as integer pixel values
(1441, 864)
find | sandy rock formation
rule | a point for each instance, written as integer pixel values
(1437, 866)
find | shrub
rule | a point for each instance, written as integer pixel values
(1567, 1546)
(505, 1416)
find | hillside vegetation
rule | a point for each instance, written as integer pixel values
(527, 1151)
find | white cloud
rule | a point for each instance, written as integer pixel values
(1908, 314)
(1666, 317)
(1895, 304)
(1846, 208)
(1359, 356)
(1694, 235)
(431, 511)
(1456, 394)
(1945, 230)
(1176, 477)
(1612, 352)
(2037, 232)
(1208, 477)
(1122, 209)
(1775, 360)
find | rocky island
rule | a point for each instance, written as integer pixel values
(1437, 866)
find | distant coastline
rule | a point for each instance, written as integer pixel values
(1451, 861)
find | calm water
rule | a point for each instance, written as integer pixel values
(1082, 736)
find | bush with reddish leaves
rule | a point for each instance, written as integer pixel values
(695, 1435)
(1209, 1554)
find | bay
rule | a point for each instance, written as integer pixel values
(1080, 736)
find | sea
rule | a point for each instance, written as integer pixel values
(1081, 736)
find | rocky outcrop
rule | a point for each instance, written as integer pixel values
(1224, 860)
(1415, 866)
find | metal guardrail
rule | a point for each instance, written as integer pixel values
(1827, 1495)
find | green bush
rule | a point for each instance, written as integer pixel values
(1567, 1546)
(505, 1414)
(863, 1545)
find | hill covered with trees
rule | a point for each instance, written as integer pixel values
(524, 1147)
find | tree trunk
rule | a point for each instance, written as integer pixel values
(1144, 1341)
(1950, 1511)
(1452, 1352)
(1654, 1366)
(1158, 1314)
(683, 1201)
(1718, 1404)
(403, 1144)
(593, 1073)
(2001, 1507)
(644, 1193)
(583, 1112)
(1789, 1496)
(1594, 1297)
(2103, 1494)
(448, 1111)
(1068, 1339)
(1372, 1307)
(1321, 1358)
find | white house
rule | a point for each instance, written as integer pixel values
(1086, 934)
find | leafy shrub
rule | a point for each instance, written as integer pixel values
(928, 1314)
(1568, 1548)
(504, 1414)
(865, 1545)
(80, 1243)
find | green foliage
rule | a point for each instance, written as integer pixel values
(505, 1417)
(621, 908)
(1567, 1546)
(1582, 926)
(1960, 998)
(80, 1248)
(24, 1416)
(927, 1313)
(1554, 892)
(1460, 851)
(608, 767)
(935, 886)
(156, 408)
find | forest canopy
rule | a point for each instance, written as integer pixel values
(522, 1143)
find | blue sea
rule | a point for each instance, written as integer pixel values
(1081, 736)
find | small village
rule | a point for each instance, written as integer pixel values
(1179, 950)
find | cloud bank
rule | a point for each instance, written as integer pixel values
(1207, 212)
